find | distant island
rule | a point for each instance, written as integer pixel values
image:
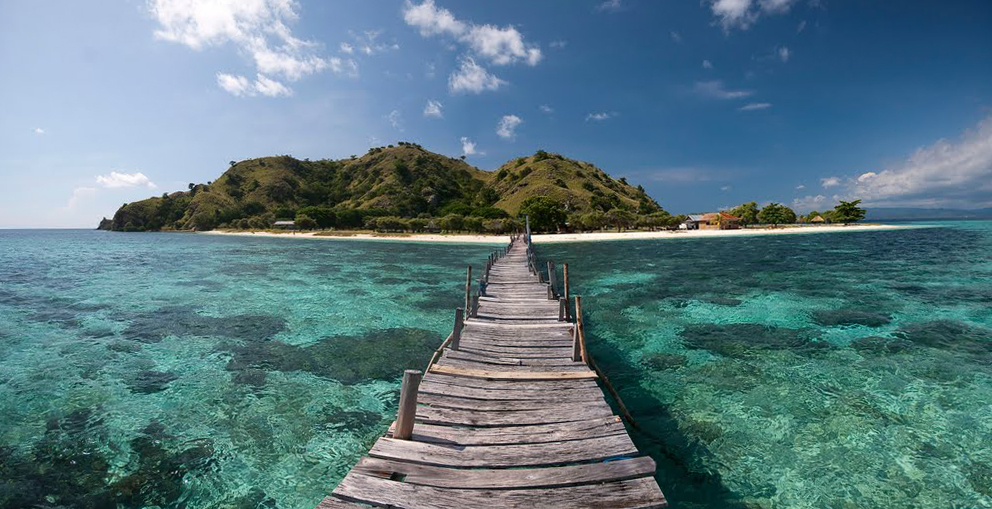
(403, 187)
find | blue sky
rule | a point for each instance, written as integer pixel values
(707, 104)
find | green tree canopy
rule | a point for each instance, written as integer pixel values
(620, 218)
(546, 214)
(848, 212)
(304, 222)
(748, 212)
(776, 213)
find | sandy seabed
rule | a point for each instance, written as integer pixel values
(568, 237)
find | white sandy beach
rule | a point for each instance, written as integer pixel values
(569, 237)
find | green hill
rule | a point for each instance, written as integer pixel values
(403, 181)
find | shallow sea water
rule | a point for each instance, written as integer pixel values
(182, 370)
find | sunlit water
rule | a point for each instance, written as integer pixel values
(181, 370)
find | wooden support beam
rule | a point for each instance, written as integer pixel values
(456, 333)
(580, 329)
(565, 290)
(408, 404)
(562, 304)
(468, 286)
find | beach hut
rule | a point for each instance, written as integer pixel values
(287, 225)
(693, 222)
(712, 221)
(818, 220)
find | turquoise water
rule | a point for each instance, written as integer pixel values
(181, 370)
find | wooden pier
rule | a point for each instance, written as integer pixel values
(509, 412)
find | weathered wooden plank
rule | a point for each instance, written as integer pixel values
(564, 412)
(503, 405)
(505, 456)
(533, 434)
(336, 503)
(548, 385)
(449, 362)
(520, 353)
(560, 395)
(640, 493)
(512, 375)
(542, 477)
(509, 361)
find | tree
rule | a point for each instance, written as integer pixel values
(748, 212)
(348, 218)
(592, 221)
(305, 222)
(546, 214)
(324, 216)
(812, 214)
(848, 212)
(776, 213)
(232, 163)
(620, 218)
(452, 222)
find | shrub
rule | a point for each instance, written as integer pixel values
(305, 222)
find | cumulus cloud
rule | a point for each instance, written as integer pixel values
(368, 43)
(715, 90)
(559, 44)
(497, 45)
(473, 78)
(347, 48)
(347, 67)
(38, 130)
(800, 186)
(468, 147)
(507, 126)
(395, 120)
(433, 109)
(546, 109)
(120, 180)
(952, 174)
(707, 64)
(830, 182)
(603, 115)
(240, 86)
(808, 203)
(744, 13)
(258, 28)
(784, 54)
(755, 106)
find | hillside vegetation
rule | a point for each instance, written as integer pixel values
(384, 185)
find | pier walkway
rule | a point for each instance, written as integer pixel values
(509, 412)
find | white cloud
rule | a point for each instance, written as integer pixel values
(347, 48)
(677, 37)
(610, 6)
(784, 54)
(559, 44)
(468, 147)
(433, 109)
(744, 13)
(808, 203)
(725, 188)
(546, 109)
(239, 86)
(801, 27)
(472, 77)
(507, 126)
(604, 115)
(80, 194)
(119, 180)
(347, 67)
(395, 120)
(830, 182)
(755, 106)
(716, 90)
(707, 64)
(800, 187)
(38, 130)
(953, 174)
(501, 46)
(258, 28)
(368, 43)
(270, 88)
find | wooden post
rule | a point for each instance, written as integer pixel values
(408, 404)
(468, 286)
(551, 293)
(564, 291)
(576, 346)
(580, 326)
(552, 275)
(562, 304)
(456, 333)
(475, 306)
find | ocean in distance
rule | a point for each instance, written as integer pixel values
(182, 370)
